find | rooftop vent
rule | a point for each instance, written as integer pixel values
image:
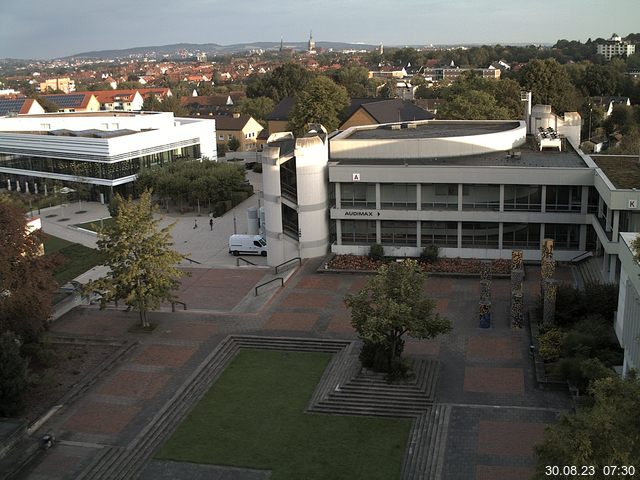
(396, 127)
(412, 126)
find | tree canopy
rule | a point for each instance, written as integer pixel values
(285, 81)
(26, 282)
(143, 266)
(320, 102)
(550, 84)
(357, 82)
(259, 108)
(393, 304)
(606, 434)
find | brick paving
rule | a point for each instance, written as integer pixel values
(494, 380)
(486, 377)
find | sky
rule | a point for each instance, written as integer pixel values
(44, 29)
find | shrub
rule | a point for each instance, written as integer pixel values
(581, 371)
(13, 375)
(376, 252)
(573, 304)
(257, 167)
(587, 338)
(550, 344)
(430, 253)
(238, 197)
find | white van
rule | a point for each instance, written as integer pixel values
(247, 244)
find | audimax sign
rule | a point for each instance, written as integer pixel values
(361, 213)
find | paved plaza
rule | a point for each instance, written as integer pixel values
(486, 375)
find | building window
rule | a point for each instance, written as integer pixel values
(220, 137)
(565, 237)
(481, 197)
(521, 235)
(563, 198)
(442, 234)
(358, 232)
(398, 233)
(526, 198)
(439, 196)
(480, 235)
(400, 196)
(358, 195)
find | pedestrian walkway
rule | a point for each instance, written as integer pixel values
(490, 411)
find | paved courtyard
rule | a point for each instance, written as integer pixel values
(486, 375)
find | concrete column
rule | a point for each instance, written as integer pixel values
(378, 199)
(600, 205)
(460, 193)
(459, 234)
(584, 201)
(338, 193)
(605, 264)
(418, 198)
(419, 234)
(583, 238)
(378, 231)
(543, 199)
(500, 233)
(541, 234)
(608, 222)
(613, 264)
(339, 232)
(501, 203)
(616, 225)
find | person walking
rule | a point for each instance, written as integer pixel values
(195, 225)
(211, 223)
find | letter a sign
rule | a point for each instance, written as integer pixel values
(356, 177)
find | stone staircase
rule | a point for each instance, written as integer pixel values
(424, 458)
(590, 271)
(343, 389)
(119, 463)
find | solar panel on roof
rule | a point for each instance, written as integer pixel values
(11, 105)
(70, 100)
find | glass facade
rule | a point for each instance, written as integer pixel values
(521, 235)
(566, 237)
(525, 198)
(288, 179)
(480, 235)
(563, 198)
(481, 197)
(103, 170)
(439, 196)
(401, 196)
(358, 195)
(358, 232)
(442, 234)
(401, 233)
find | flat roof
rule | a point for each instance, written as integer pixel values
(432, 129)
(622, 170)
(529, 156)
(102, 113)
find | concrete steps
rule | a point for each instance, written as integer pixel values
(590, 271)
(424, 458)
(118, 463)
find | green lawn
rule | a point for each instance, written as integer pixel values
(254, 417)
(95, 225)
(76, 258)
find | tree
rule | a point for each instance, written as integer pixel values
(259, 108)
(606, 434)
(388, 89)
(602, 80)
(357, 82)
(26, 283)
(233, 144)
(142, 264)
(390, 305)
(549, 84)
(320, 102)
(13, 375)
(285, 81)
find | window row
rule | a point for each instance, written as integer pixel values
(109, 171)
(472, 234)
(403, 196)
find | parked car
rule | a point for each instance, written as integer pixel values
(255, 244)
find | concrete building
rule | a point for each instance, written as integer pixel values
(615, 46)
(65, 85)
(627, 321)
(105, 150)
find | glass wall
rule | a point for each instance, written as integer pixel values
(288, 179)
(442, 234)
(480, 235)
(109, 171)
(400, 196)
(481, 197)
(439, 196)
(358, 195)
(358, 232)
(520, 235)
(566, 237)
(526, 198)
(563, 198)
(399, 233)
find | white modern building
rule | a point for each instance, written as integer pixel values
(615, 47)
(104, 149)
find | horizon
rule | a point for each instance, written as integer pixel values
(62, 30)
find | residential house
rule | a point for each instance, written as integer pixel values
(242, 127)
(278, 120)
(75, 102)
(122, 100)
(372, 111)
(19, 106)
